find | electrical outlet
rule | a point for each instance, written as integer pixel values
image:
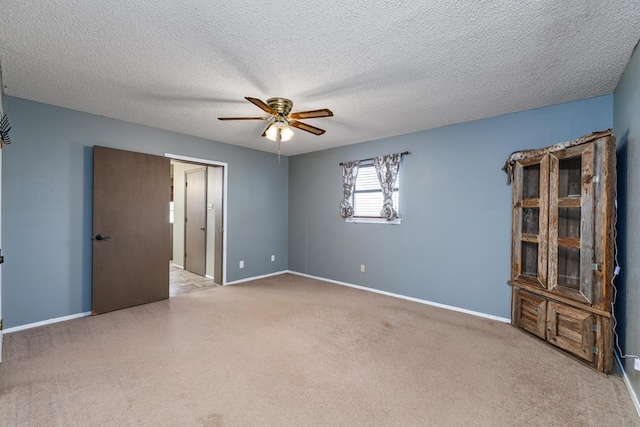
(636, 364)
(361, 268)
(273, 258)
(241, 264)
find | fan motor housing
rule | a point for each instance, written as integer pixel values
(282, 106)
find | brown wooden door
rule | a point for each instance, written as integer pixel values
(195, 221)
(131, 193)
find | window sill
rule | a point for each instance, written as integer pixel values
(374, 221)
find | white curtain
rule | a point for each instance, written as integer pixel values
(349, 175)
(387, 168)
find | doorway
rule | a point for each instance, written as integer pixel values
(136, 186)
(198, 222)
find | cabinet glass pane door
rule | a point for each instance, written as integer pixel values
(569, 267)
(530, 259)
(529, 222)
(569, 178)
(531, 181)
(570, 199)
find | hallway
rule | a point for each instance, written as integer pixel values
(182, 282)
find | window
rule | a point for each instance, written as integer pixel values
(370, 189)
(367, 196)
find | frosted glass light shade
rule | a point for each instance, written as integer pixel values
(279, 127)
(286, 133)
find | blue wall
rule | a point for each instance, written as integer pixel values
(47, 191)
(453, 246)
(626, 125)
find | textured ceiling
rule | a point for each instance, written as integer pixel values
(384, 68)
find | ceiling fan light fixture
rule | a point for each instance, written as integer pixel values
(281, 120)
(279, 127)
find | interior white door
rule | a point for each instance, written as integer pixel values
(195, 221)
(218, 200)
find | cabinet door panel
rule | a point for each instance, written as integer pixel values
(571, 223)
(530, 211)
(571, 329)
(529, 312)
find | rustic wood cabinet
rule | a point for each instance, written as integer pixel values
(562, 259)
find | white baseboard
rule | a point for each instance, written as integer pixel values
(632, 392)
(46, 322)
(208, 276)
(178, 266)
(248, 279)
(421, 301)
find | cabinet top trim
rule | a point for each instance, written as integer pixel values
(527, 154)
(555, 297)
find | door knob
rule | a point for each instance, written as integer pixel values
(102, 237)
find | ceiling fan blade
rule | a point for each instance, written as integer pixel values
(264, 134)
(303, 126)
(243, 118)
(312, 114)
(258, 103)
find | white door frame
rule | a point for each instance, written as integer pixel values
(1, 329)
(225, 168)
(1, 321)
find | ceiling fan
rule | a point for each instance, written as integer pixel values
(281, 118)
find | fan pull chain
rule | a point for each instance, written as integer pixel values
(279, 137)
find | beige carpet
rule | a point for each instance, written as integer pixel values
(291, 351)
